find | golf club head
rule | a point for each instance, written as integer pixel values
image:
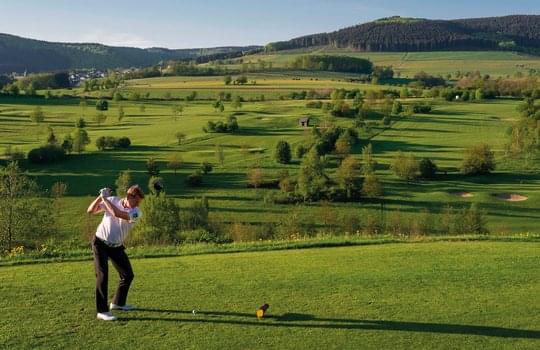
(158, 186)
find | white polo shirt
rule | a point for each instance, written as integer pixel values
(115, 230)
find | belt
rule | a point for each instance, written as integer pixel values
(109, 244)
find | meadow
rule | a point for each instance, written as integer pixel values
(441, 135)
(407, 64)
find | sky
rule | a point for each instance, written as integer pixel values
(209, 23)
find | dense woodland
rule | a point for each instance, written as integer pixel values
(19, 54)
(399, 34)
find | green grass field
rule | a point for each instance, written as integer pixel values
(441, 135)
(495, 63)
(460, 295)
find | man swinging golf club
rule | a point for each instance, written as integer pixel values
(120, 215)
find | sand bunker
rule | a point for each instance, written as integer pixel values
(463, 194)
(511, 197)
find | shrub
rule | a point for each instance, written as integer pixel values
(110, 142)
(123, 142)
(470, 220)
(427, 168)
(422, 108)
(479, 159)
(195, 216)
(160, 221)
(314, 104)
(206, 167)
(102, 105)
(46, 154)
(152, 168)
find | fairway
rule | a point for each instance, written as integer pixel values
(461, 295)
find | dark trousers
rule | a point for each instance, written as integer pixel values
(102, 253)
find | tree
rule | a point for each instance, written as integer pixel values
(237, 102)
(206, 167)
(80, 123)
(283, 152)
(23, 215)
(218, 106)
(67, 143)
(176, 111)
(387, 106)
(37, 116)
(152, 168)
(160, 222)
(255, 177)
(427, 168)
(311, 179)
(102, 105)
(180, 137)
(285, 183)
(51, 138)
(347, 174)
(478, 159)
(404, 92)
(371, 187)
(123, 181)
(142, 108)
(120, 113)
(117, 97)
(80, 140)
(405, 166)
(220, 156)
(397, 108)
(343, 145)
(368, 163)
(479, 94)
(227, 79)
(175, 162)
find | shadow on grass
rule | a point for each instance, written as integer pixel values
(298, 320)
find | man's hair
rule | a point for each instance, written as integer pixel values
(136, 190)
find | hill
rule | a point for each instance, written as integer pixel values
(517, 32)
(18, 54)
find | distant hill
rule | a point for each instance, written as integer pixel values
(517, 32)
(19, 54)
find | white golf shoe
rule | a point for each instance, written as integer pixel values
(106, 316)
(126, 307)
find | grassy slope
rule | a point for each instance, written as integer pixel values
(495, 63)
(441, 135)
(440, 295)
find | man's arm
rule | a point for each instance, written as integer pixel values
(113, 210)
(94, 208)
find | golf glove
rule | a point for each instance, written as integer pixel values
(105, 192)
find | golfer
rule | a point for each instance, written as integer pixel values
(120, 215)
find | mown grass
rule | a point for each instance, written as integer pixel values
(441, 135)
(495, 63)
(465, 295)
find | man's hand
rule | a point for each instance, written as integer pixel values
(105, 192)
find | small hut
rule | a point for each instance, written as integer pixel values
(303, 121)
